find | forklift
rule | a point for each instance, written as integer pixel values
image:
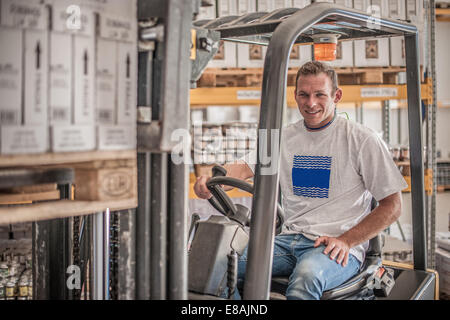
(218, 241)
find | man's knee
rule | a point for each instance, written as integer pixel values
(306, 283)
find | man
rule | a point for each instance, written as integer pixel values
(329, 171)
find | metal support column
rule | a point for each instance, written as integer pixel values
(416, 151)
(100, 258)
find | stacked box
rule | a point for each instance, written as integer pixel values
(344, 3)
(300, 3)
(226, 55)
(23, 74)
(344, 49)
(116, 84)
(207, 13)
(72, 78)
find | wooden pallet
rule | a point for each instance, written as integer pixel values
(442, 5)
(252, 77)
(102, 180)
(443, 188)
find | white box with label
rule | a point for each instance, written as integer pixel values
(36, 79)
(117, 28)
(71, 138)
(84, 76)
(123, 8)
(372, 53)
(379, 8)
(207, 13)
(344, 55)
(397, 9)
(397, 51)
(11, 69)
(24, 139)
(29, 14)
(116, 137)
(106, 81)
(279, 4)
(265, 5)
(60, 78)
(415, 12)
(126, 83)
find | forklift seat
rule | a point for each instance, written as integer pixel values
(354, 285)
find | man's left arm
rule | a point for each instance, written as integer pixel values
(387, 212)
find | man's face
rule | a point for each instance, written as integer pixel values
(316, 100)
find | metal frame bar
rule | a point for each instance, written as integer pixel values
(260, 250)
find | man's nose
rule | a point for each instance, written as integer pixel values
(311, 101)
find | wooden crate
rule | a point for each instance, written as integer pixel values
(103, 179)
(428, 182)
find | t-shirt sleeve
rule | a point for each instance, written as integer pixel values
(379, 172)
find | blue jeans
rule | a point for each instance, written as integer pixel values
(310, 271)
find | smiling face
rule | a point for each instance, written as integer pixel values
(316, 99)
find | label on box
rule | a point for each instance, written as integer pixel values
(124, 8)
(126, 83)
(36, 71)
(24, 139)
(84, 75)
(24, 14)
(72, 138)
(375, 92)
(248, 94)
(117, 28)
(106, 81)
(74, 19)
(10, 76)
(60, 99)
(116, 137)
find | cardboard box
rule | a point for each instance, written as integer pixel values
(84, 76)
(300, 55)
(344, 3)
(60, 78)
(207, 13)
(127, 83)
(278, 4)
(116, 137)
(117, 28)
(344, 55)
(301, 3)
(415, 12)
(226, 56)
(10, 76)
(106, 81)
(265, 5)
(36, 79)
(379, 8)
(71, 138)
(246, 6)
(397, 51)
(372, 53)
(24, 139)
(361, 5)
(250, 55)
(29, 14)
(397, 9)
(227, 7)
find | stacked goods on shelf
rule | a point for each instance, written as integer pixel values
(443, 176)
(223, 143)
(16, 281)
(23, 77)
(59, 76)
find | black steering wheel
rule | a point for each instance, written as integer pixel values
(222, 202)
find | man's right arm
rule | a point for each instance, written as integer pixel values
(238, 169)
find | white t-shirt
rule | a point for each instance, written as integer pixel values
(328, 177)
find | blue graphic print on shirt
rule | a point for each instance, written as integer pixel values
(311, 176)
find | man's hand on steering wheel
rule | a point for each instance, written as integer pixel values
(200, 188)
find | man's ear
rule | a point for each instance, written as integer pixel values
(338, 95)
